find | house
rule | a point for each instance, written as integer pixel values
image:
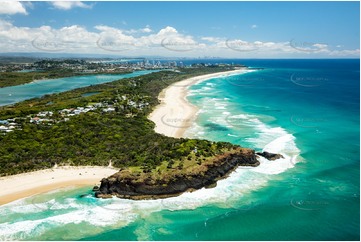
(34, 120)
(6, 129)
(45, 113)
(109, 109)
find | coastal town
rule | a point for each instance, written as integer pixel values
(96, 65)
(123, 103)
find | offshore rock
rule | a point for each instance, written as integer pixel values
(270, 156)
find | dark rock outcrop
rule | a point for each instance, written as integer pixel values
(270, 156)
(125, 187)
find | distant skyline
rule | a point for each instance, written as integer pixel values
(183, 29)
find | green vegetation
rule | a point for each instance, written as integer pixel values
(18, 78)
(125, 137)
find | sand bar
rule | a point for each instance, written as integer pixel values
(32, 183)
(174, 115)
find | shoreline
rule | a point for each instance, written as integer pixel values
(175, 114)
(28, 184)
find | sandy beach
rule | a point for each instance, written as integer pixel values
(174, 115)
(32, 183)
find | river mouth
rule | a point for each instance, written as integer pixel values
(38, 88)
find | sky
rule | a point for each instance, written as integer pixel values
(183, 29)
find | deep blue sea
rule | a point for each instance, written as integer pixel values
(308, 110)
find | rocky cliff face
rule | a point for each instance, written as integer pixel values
(126, 187)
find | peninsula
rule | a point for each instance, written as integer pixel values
(152, 158)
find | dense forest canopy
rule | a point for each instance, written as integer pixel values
(125, 136)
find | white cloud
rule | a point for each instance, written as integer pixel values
(345, 53)
(67, 5)
(254, 26)
(165, 42)
(320, 46)
(104, 28)
(115, 40)
(146, 29)
(168, 30)
(12, 7)
(166, 34)
(212, 39)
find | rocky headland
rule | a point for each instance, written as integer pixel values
(173, 182)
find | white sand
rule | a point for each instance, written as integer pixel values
(175, 114)
(28, 184)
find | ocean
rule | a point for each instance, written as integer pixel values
(308, 110)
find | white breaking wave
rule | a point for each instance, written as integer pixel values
(274, 140)
(121, 212)
(232, 135)
(100, 213)
(210, 84)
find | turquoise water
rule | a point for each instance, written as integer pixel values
(308, 110)
(38, 88)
